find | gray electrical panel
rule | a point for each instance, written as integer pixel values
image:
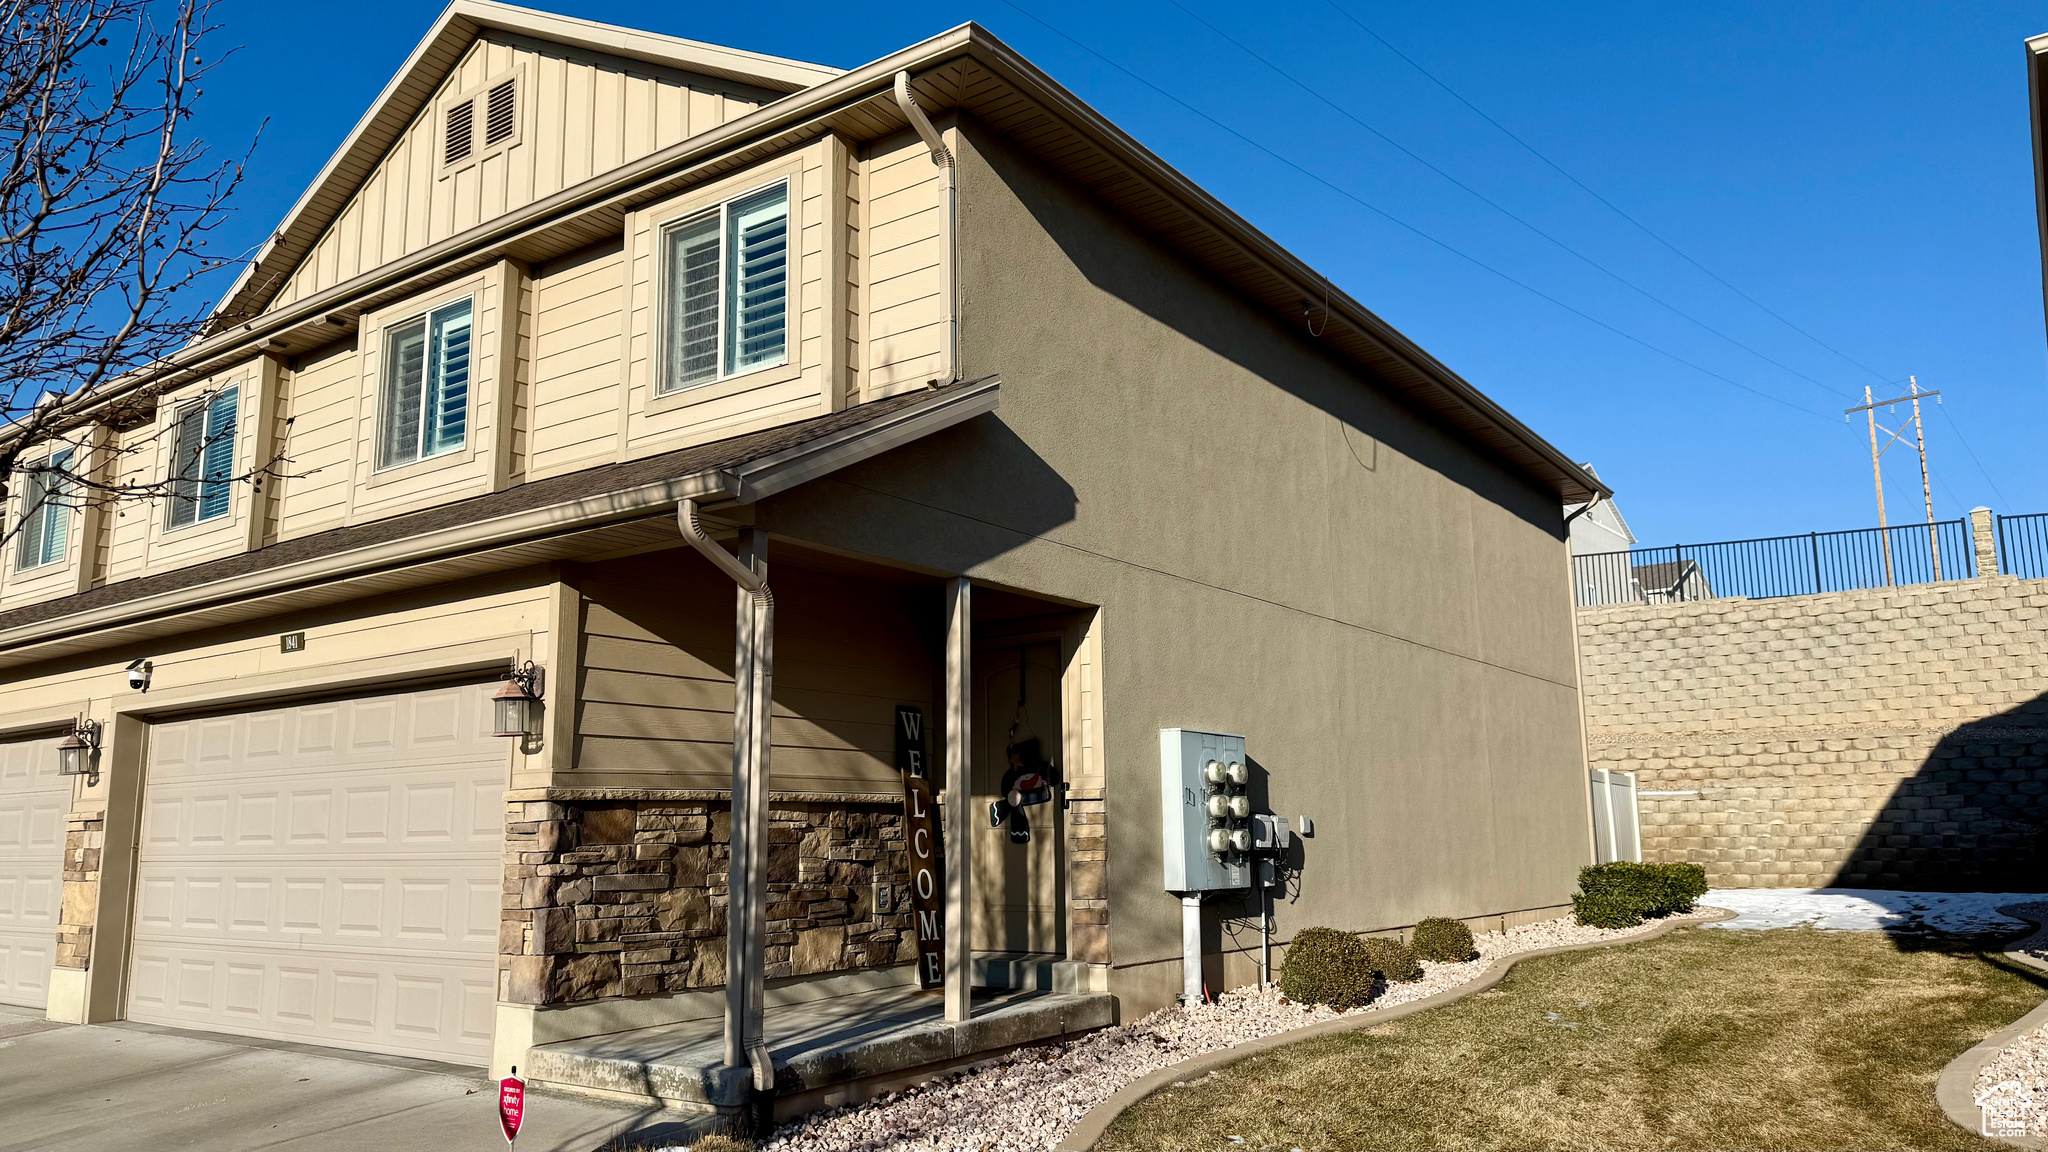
(1207, 829)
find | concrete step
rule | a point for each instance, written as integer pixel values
(1019, 971)
(825, 1052)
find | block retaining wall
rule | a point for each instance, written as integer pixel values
(1886, 738)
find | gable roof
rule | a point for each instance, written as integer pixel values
(413, 87)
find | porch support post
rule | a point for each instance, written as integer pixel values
(959, 802)
(746, 919)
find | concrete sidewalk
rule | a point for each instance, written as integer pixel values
(123, 1087)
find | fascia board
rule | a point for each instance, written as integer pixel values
(760, 479)
(758, 69)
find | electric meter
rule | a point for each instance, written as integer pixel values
(1207, 833)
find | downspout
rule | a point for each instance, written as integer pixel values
(943, 157)
(746, 921)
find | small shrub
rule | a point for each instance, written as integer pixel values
(1605, 910)
(1325, 966)
(1684, 884)
(721, 1142)
(1393, 960)
(1442, 940)
(1621, 894)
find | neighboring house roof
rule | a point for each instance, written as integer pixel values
(522, 525)
(966, 69)
(1668, 575)
(1598, 529)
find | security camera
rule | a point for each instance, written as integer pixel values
(138, 675)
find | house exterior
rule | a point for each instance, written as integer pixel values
(1018, 429)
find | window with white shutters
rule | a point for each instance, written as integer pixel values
(726, 285)
(46, 514)
(203, 459)
(424, 403)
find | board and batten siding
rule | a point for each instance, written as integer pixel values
(581, 114)
(656, 694)
(903, 262)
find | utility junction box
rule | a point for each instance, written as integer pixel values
(1206, 810)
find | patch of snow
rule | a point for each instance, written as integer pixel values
(1869, 909)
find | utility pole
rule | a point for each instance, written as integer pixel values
(1926, 484)
(1869, 409)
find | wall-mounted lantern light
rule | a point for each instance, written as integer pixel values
(77, 753)
(513, 706)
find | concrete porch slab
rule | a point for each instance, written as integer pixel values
(825, 1052)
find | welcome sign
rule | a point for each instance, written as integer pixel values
(927, 878)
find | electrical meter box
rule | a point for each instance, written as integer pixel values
(1207, 810)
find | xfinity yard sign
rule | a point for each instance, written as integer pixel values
(511, 1105)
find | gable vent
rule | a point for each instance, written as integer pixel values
(461, 140)
(498, 114)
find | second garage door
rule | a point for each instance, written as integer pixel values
(33, 800)
(327, 873)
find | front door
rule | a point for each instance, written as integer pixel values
(1018, 888)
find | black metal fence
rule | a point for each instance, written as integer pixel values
(1796, 565)
(2023, 545)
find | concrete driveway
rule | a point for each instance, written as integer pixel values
(123, 1087)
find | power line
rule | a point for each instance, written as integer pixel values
(1610, 205)
(1500, 208)
(1957, 428)
(1403, 224)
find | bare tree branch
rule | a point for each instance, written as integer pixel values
(108, 202)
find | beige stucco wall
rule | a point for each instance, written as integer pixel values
(1279, 550)
(1889, 738)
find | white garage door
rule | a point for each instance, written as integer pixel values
(33, 800)
(327, 873)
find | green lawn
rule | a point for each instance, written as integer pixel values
(1704, 1038)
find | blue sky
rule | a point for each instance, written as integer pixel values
(1862, 170)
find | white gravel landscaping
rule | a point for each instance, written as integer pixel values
(1869, 909)
(1029, 1099)
(2024, 1062)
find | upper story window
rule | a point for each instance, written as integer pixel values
(425, 404)
(725, 273)
(46, 522)
(203, 458)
